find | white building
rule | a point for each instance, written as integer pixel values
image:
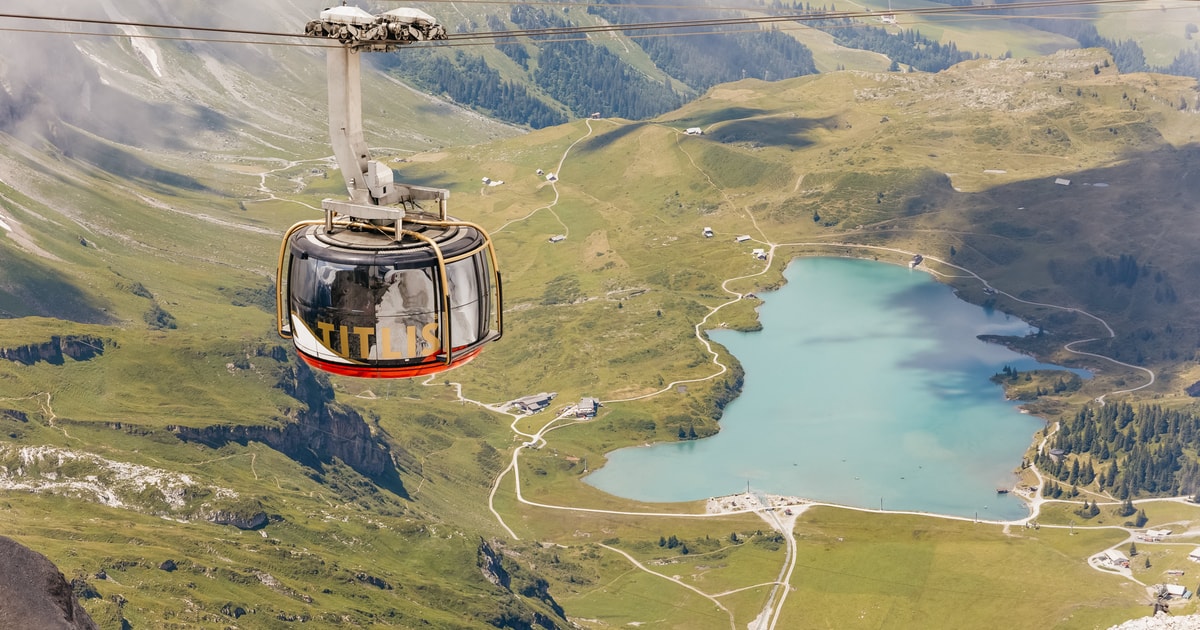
(695, 131)
(708, 233)
(534, 403)
(587, 408)
(1176, 590)
(1116, 557)
(1155, 535)
(742, 239)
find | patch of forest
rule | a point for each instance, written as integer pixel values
(1127, 451)
(469, 80)
(704, 56)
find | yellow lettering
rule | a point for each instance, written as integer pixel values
(326, 330)
(429, 332)
(364, 347)
(344, 337)
(385, 345)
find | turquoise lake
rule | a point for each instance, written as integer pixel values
(867, 384)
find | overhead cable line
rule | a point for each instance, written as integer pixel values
(588, 5)
(178, 38)
(180, 27)
(490, 37)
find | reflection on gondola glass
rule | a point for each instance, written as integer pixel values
(469, 312)
(361, 305)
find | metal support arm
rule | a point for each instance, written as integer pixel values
(369, 183)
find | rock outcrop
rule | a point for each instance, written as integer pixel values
(78, 347)
(491, 566)
(257, 520)
(312, 435)
(34, 593)
(518, 613)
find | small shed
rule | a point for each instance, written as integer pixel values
(558, 238)
(1194, 556)
(760, 254)
(708, 233)
(742, 239)
(1062, 182)
(695, 131)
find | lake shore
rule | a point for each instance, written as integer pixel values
(935, 435)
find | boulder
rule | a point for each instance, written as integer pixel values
(34, 592)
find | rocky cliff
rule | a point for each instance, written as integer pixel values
(535, 608)
(314, 433)
(78, 347)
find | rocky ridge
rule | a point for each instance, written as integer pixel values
(54, 351)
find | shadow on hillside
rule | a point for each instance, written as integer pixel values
(431, 180)
(1117, 241)
(603, 140)
(121, 163)
(30, 288)
(720, 115)
(770, 131)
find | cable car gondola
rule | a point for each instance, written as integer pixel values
(382, 288)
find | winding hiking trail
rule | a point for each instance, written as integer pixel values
(780, 517)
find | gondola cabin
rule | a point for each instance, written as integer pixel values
(382, 288)
(360, 297)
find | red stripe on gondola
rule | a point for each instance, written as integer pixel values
(404, 371)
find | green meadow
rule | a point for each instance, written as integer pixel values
(960, 166)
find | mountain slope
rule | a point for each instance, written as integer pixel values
(150, 415)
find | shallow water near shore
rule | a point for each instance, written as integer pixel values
(867, 386)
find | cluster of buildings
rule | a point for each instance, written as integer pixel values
(586, 408)
(759, 253)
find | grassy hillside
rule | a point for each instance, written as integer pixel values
(163, 258)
